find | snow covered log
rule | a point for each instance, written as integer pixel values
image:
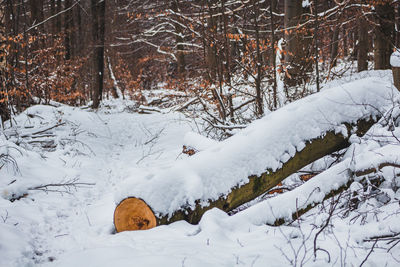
(291, 205)
(133, 214)
(237, 170)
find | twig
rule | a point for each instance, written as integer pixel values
(51, 17)
(369, 253)
(67, 185)
(5, 218)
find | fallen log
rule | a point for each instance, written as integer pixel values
(144, 210)
(287, 207)
(134, 214)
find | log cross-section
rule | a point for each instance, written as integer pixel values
(133, 213)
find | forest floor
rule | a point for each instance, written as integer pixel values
(83, 156)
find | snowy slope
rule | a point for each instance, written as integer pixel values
(101, 148)
(74, 227)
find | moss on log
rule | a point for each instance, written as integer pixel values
(257, 185)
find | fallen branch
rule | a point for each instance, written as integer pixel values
(66, 187)
(148, 110)
(377, 169)
(43, 130)
(186, 104)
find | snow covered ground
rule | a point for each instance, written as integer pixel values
(90, 154)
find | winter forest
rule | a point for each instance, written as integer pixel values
(199, 133)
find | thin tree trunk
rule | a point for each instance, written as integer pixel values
(259, 99)
(398, 27)
(334, 47)
(67, 31)
(273, 41)
(383, 39)
(345, 43)
(180, 55)
(98, 28)
(4, 112)
(211, 49)
(316, 43)
(227, 49)
(362, 55)
(52, 13)
(59, 17)
(26, 59)
(79, 41)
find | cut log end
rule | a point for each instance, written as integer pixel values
(133, 214)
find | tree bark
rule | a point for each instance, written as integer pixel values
(384, 35)
(4, 111)
(80, 39)
(273, 54)
(59, 17)
(67, 32)
(259, 99)
(316, 28)
(211, 49)
(396, 77)
(257, 185)
(98, 28)
(180, 55)
(334, 46)
(227, 49)
(362, 53)
(52, 13)
(297, 44)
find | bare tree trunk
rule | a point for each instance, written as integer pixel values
(98, 28)
(101, 48)
(259, 99)
(362, 55)
(397, 44)
(19, 105)
(345, 43)
(383, 39)
(227, 49)
(334, 47)
(273, 54)
(59, 17)
(211, 49)
(316, 43)
(297, 44)
(4, 112)
(52, 13)
(180, 55)
(67, 31)
(80, 38)
(34, 8)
